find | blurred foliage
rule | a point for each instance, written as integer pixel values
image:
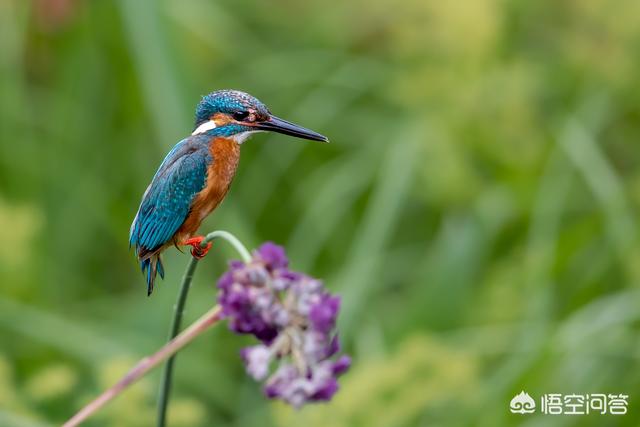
(476, 208)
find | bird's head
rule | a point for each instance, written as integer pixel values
(237, 115)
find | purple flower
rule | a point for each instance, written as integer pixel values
(272, 256)
(294, 317)
(323, 314)
(257, 360)
(342, 365)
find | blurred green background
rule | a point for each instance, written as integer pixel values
(476, 209)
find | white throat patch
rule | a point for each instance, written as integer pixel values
(205, 127)
(241, 137)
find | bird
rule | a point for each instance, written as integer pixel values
(196, 174)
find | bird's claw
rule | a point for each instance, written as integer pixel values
(198, 251)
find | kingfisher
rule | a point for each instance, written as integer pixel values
(196, 175)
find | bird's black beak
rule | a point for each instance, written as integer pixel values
(275, 124)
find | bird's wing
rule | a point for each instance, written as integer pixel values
(167, 201)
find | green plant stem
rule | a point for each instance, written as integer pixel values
(206, 321)
(165, 384)
(167, 375)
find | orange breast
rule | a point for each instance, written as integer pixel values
(226, 154)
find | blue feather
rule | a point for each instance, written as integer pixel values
(160, 267)
(166, 203)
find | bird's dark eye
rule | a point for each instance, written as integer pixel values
(240, 115)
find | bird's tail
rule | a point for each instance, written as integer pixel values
(152, 266)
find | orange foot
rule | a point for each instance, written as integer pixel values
(198, 252)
